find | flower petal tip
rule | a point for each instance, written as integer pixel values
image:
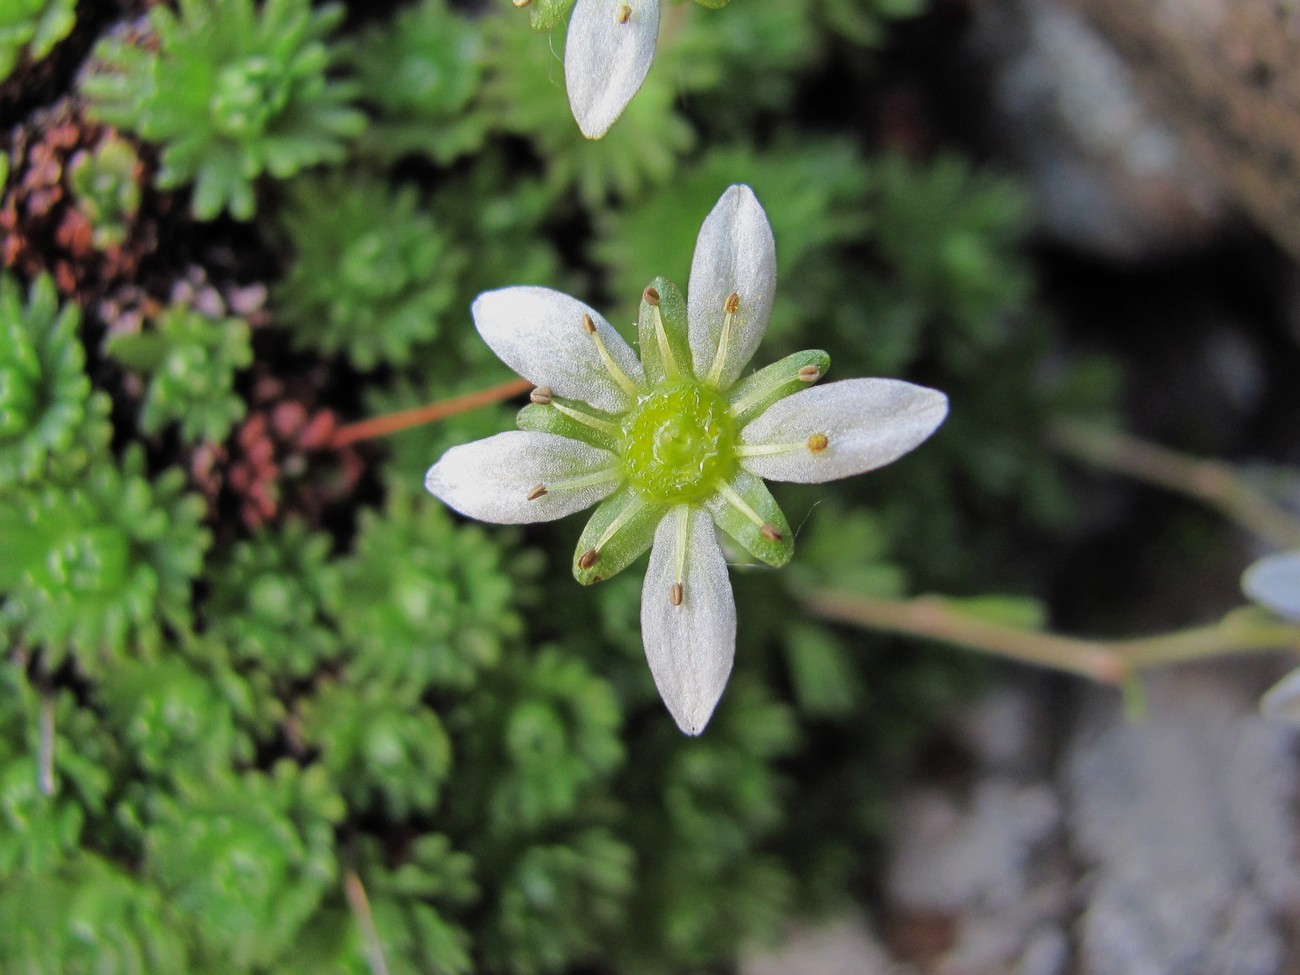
(607, 55)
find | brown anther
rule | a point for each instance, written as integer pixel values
(624, 13)
(769, 532)
(818, 442)
(675, 593)
(587, 324)
(537, 491)
(541, 395)
(651, 297)
(809, 374)
(732, 304)
(588, 558)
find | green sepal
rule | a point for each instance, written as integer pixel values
(547, 14)
(547, 419)
(712, 4)
(760, 390)
(632, 538)
(775, 552)
(672, 310)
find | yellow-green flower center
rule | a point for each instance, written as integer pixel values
(678, 443)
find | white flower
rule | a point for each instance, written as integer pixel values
(677, 443)
(1274, 582)
(607, 54)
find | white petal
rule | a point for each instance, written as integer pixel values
(606, 56)
(734, 254)
(1281, 703)
(539, 334)
(491, 479)
(689, 646)
(1275, 582)
(867, 423)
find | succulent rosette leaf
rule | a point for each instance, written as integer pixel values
(677, 444)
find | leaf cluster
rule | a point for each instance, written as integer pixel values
(391, 734)
(31, 28)
(190, 362)
(231, 90)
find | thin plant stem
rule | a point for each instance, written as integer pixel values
(1104, 661)
(360, 904)
(1211, 481)
(382, 426)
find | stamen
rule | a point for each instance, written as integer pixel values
(818, 442)
(584, 480)
(806, 374)
(619, 376)
(541, 395)
(538, 491)
(522, 3)
(766, 449)
(769, 532)
(729, 308)
(651, 297)
(675, 593)
(588, 558)
(683, 535)
(624, 14)
(739, 503)
(623, 517)
(586, 419)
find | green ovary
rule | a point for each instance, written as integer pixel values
(678, 443)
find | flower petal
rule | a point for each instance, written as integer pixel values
(1275, 582)
(735, 254)
(689, 643)
(746, 510)
(606, 57)
(539, 333)
(840, 429)
(493, 479)
(1281, 702)
(615, 535)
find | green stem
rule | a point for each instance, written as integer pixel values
(1104, 661)
(1215, 483)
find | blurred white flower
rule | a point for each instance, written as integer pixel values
(1275, 582)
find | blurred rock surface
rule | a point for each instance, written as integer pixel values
(1079, 842)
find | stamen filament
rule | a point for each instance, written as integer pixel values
(683, 527)
(729, 308)
(617, 374)
(622, 519)
(585, 480)
(766, 449)
(665, 350)
(739, 503)
(586, 419)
